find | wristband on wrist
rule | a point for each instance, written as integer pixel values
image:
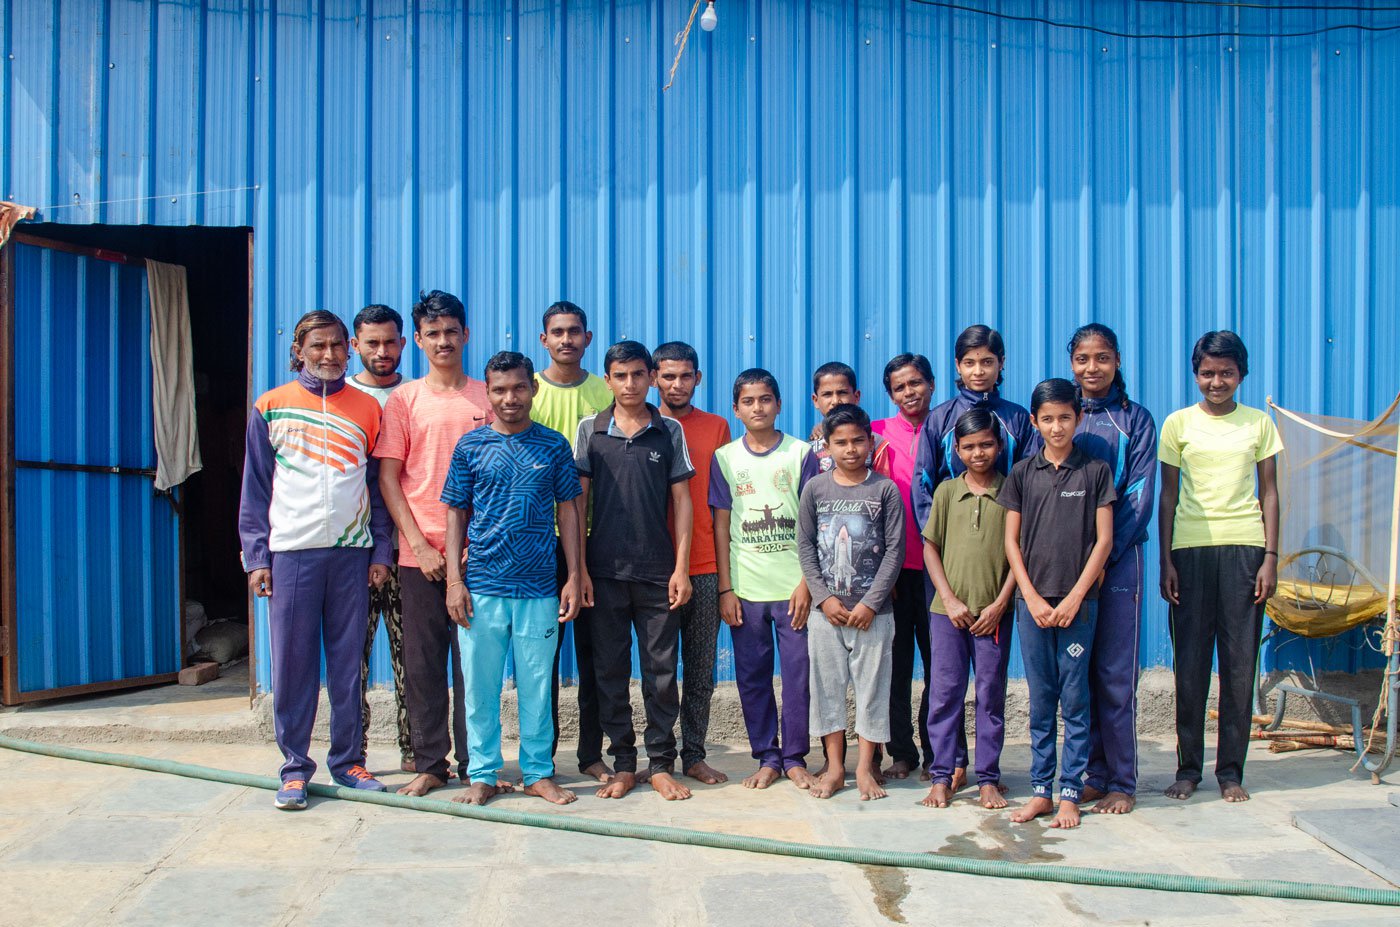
(1268, 552)
(456, 583)
(723, 591)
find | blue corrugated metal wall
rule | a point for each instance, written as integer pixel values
(825, 180)
(87, 609)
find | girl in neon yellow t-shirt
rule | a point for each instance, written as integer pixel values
(1219, 530)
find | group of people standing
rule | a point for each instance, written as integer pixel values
(530, 500)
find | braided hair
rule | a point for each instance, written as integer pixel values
(1099, 330)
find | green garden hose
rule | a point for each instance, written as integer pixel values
(938, 862)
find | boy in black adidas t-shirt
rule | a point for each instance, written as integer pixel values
(633, 460)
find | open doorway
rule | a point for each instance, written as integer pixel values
(218, 264)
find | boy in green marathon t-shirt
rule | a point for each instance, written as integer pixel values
(757, 479)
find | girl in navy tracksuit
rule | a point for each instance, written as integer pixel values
(980, 355)
(1123, 435)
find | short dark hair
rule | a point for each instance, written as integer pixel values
(436, 304)
(316, 318)
(625, 351)
(900, 361)
(375, 314)
(1055, 389)
(834, 369)
(978, 418)
(847, 413)
(564, 307)
(676, 351)
(506, 361)
(980, 336)
(756, 375)
(1221, 344)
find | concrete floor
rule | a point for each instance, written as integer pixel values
(84, 844)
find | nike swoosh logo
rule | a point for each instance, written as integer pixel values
(537, 466)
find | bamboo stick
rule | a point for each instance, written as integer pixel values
(1316, 727)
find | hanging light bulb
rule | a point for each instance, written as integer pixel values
(708, 19)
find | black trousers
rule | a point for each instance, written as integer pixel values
(910, 626)
(1217, 616)
(620, 607)
(429, 653)
(590, 731)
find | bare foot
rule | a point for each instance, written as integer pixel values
(869, 783)
(990, 795)
(550, 792)
(478, 793)
(1181, 789)
(600, 771)
(898, 770)
(1036, 807)
(407, 765)
(820, 772)
(704, 772)
(959, 779)
(923, 775)
(1114, 803)
(667, 787)
(1068, 815)
(618, 786)
(801, 777)
(421, 785)
(1091, 794)
(765, 777)
(829, 782)
(1233, 792)
(937, 796)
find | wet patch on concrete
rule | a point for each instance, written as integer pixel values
(997, 838)
(890, 887)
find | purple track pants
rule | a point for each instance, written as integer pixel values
(319, 598)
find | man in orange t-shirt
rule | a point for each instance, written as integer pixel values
(677, 376)
(422, 421)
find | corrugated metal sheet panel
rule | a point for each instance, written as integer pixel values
(88, 611)
(825, 180)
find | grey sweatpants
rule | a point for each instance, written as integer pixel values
(842, 658)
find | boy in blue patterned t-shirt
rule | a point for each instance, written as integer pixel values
(510, 479)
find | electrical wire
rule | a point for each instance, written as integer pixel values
(1177, 36)
(1284, 7)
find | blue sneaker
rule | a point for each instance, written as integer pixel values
(357, 777)
(292, 795)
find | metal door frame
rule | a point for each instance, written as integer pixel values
(10, 693)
